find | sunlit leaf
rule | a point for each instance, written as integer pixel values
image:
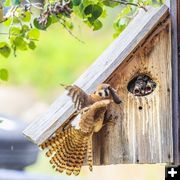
(33, 34)
(20, 43)
(32, 45)
(4, 49)
(3, 74)
(16, 20)
(26, 16)
(7, 3)
(97, 25)
(25, 28)
(8, 22)
(15, 30)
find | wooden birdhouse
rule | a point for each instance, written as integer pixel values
(141, 64)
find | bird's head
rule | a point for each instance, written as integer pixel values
(105, 91)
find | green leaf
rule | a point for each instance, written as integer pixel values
(33, 34)
(110, 3)
(7, 3)
(16, 2)
(4, 49)
(76, 2)
(93, 12)
(16, 20)
(54, 19)
(42, 26)
(69, 25)
(25, 28)
(32, 45)
(20, 44)
(97, 25)
(7, 22)
(15, 30)
(26, 16)
(3, 74)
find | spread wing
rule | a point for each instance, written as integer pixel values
(80, 98)
(92, 114)
(67, 149)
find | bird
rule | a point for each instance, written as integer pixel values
(67, 148)
(81, 99)
(142, 85)
(150, 86)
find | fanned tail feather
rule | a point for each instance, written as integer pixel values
(67, 150)
(89, 154)
(52, 144)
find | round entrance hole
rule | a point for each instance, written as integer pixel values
(141, 85)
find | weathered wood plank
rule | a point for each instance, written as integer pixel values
(143, 130)
(174, 7)
(177, 161)
(98, 72)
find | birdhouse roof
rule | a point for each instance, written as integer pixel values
(122, 48)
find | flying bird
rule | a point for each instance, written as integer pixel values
(81, 99)
(68, 148)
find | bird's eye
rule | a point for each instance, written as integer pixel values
(100, 93)
(154, 85)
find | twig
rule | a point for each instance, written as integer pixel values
(129, 3)
(35, 5)
(5, 19)
(65, 27)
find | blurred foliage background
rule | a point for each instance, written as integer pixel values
(59, 57)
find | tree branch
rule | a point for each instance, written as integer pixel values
(129, 3)
(65, 27)
(5, 19)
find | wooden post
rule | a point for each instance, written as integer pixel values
(178, 75)
(174, 7)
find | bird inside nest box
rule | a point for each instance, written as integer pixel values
(143, 129)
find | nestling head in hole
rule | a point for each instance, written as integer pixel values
(141, 85)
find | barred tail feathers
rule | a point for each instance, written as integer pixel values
(68, 152)
(52, 144)
(89, 154)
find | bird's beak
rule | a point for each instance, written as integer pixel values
(136, 91)
(115, 96)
